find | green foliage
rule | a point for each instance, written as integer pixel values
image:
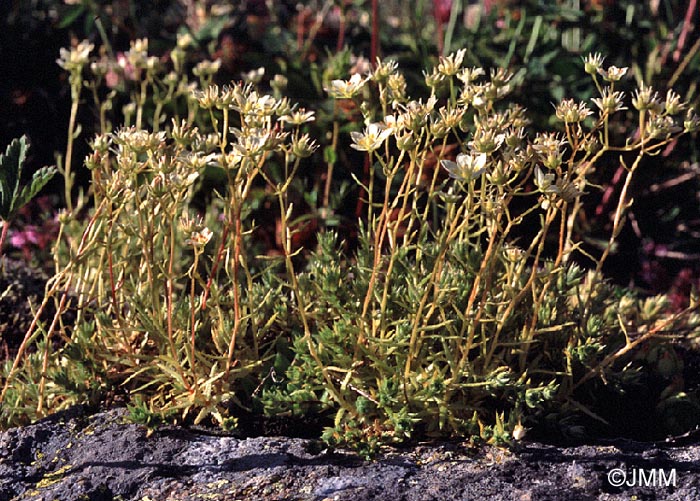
(462, 312)
(513, 364)
(12, 198)
(441, 324)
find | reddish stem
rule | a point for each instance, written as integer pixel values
(610, 190)
(236, 292)
(214, 268)
(3, 235)
(341, 30)
(686, 28)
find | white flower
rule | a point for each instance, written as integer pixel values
(75, 58)
(545, 182)
(486, 141)
(673, 103)
(468, 75)
(252, 143)
(298, 117)
(451, 64)
(207, 68)
(383, 70)
(254, 76)
(346, 89)
(571, 112)
(199, 238)
(467, 168)
(371, 139)
(303, 146)
(592, 63)
(613, 74)
(609, 102)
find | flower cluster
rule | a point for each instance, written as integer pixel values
(346, 89)
(75, 59)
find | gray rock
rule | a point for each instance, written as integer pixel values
(74, 455)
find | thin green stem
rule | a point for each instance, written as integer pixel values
(67, 170)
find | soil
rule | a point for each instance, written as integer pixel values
(19, 285)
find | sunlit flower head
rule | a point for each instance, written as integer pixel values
(397, 86)
(383, 70)
(469, 75)
(612, 74)
(304, 146)
(184, 40)
(645, 99)
(76, 58)
(371, 139)
(673, 103)
(138, 140)
(569, 111)
(207, 68)
(101, 143)
(199, 238)
(487, 141)
(662, 126)
(346, 89)
(544, 182)
(500, 77)
(253, 76)
(298, 117)
(138, 53)
(450, 118)
(199, 234)
(593, 63)
(208, 98)
(279, 82)
(691, 122)
(467, 167)
(609, 102)
(253, 142)
(395, 123)
(406, 141)
(417, 113)
(433, 79)
(450, 65)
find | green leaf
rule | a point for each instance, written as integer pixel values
(39, 180)
(71, 15)
(10, 173)
(89, 23)
(329, 155)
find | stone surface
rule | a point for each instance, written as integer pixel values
(75, 455)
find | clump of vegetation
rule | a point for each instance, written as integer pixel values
(462, 312)
(449, 324)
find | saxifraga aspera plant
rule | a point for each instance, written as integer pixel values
(443, 323)
(167, 310)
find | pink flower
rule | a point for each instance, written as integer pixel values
(29, 235)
